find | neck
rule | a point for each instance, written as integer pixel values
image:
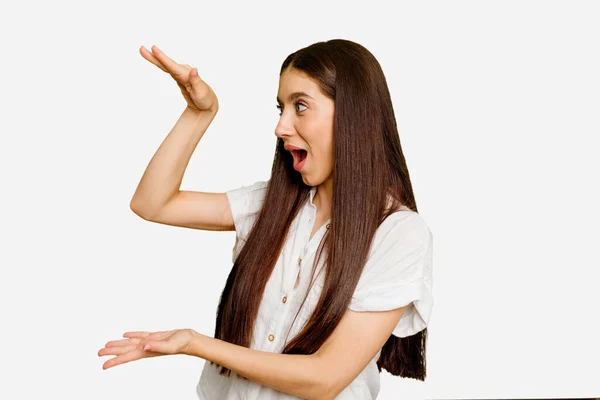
(322, 199)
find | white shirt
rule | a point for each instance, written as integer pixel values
(398, 271)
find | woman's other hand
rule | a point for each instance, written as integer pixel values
(138, 345)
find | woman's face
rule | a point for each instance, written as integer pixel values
(306, 122)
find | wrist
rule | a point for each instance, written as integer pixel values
(197, 343)
(200, 114)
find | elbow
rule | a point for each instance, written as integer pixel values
(328, 393)
(138, 210)
(330, 385)
(320, 392)
(323, 387)
(317, 389)
(133, 206)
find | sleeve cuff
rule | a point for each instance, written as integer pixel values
(414, 319)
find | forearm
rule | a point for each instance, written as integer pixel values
(164, 173)
(295, 374)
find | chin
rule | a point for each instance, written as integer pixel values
(309, 181)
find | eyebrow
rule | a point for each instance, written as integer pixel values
(295, 95)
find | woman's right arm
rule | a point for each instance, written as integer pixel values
(157, 197)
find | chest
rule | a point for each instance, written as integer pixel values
(284, 310)
(320, 220)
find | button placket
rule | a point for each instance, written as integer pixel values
(302, 255)
(271, 328)
(298, 275)
(273, 325)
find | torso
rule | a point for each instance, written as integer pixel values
(284, 310)
(318, 224)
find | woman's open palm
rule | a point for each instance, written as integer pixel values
(138, 345)
(198, 95)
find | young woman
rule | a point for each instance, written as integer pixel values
(332, 265)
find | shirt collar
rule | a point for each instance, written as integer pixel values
(313, 191)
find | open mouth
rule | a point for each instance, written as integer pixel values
(299, 158)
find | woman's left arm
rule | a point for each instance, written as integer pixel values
(322, 375)
(296, 374)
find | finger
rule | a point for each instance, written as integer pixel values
(123, 342)
(150, 57)
(191, 80)
(160, 335)
(195, 84)
(194, 76)
(160, 346)
(123, 358)
(165, 60)
(143, 335)
(106, 351)
(136, 334)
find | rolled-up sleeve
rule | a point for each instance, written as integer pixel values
(245, 202)
(398, 272)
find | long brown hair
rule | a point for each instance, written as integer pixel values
(368, 167)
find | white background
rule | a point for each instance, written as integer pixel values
(498, 109)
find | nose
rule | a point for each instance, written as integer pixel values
(284, 128)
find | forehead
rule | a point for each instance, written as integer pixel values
(294, 83)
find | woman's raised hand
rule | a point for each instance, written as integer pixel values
(198, 95)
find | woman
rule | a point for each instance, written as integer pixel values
(339, 200)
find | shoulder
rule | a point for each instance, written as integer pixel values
(257, 188)
(245, 202)
(399, 272)
(402, 245)
(405, 228)
(247, 198)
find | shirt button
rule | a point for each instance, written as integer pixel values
(284, 299)
(271, 337)
(328, 226)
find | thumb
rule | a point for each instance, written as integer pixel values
(159, 347)
(194, 77)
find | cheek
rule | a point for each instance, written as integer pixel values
(320, 143)
(329, 150)
(323, 157)
(325, 151)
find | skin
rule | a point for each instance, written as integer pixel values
(322, 375)
(359, 335)
(307, 122)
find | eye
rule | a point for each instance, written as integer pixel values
(299, 104)
(280, 108)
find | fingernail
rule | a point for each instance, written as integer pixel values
(146, 347)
